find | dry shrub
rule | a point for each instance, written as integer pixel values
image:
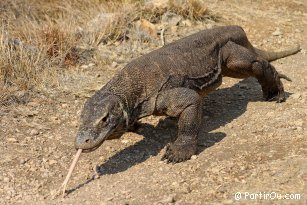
(35, 37)
(18, 65)
(116, 29)
(57, 43)
(192, 9)
(39, 38)
(54, 39)
(31, 52)
(127, 12)
(189, 9)
(12, 96)
(4, 96)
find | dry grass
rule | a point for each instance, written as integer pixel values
(39, 38)
(189, 9)
(35, 36)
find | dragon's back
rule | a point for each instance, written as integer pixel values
(189, 62)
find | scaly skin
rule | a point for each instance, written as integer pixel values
(171, 81)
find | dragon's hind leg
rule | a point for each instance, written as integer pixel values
(240, 62)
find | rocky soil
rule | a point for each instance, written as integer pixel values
(246, 145)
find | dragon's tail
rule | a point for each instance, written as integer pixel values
(271, 55)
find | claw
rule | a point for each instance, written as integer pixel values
(178, 153)
(284, 77)
(271, 99)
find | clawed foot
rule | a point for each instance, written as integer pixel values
(275, 96)
(274, 90)
(179, 153)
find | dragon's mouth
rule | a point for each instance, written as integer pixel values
(92, 148)
(90, 144)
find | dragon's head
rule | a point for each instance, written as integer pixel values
(103, 117)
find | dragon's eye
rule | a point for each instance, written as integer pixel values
(105, 118)
(102, 121)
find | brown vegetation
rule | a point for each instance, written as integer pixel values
(38, 39)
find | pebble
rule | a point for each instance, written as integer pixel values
(13, 140)
(45, 174)
(229, 201)
(91, 64)
(299, 123)
(54, 118)
(277, 32)
(187, 22)
(186, 189)
(34, 132)
(74, 123)
(296, 96)
(6, 179)
(34, 104)
(64, 105)
(297, 31)
(242, 168)
(51, 162)
(109, 199)
(84, 66)
(23, 161)
(167, 199)
(194, 157)
(175, 184)
(270, 114)
(125, 141)
(114, 64)
(109, 148)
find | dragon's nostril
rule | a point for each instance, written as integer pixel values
(87, 140)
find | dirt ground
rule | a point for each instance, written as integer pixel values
(246, 145)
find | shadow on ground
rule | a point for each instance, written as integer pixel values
(220, 108)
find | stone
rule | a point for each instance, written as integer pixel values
(277, 32)
(167, 199)
(34, 132)
(296, 96)
(11, 139)
(52, 162)
(299, 123)
(144, 26)
(187, 23)
(125, 141)
(170, 19)
(6, 179)
(114, 64)
(227, 201)
(194, 157)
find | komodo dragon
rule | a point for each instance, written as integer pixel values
(171, 81)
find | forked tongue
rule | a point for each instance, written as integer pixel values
(72, 166)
